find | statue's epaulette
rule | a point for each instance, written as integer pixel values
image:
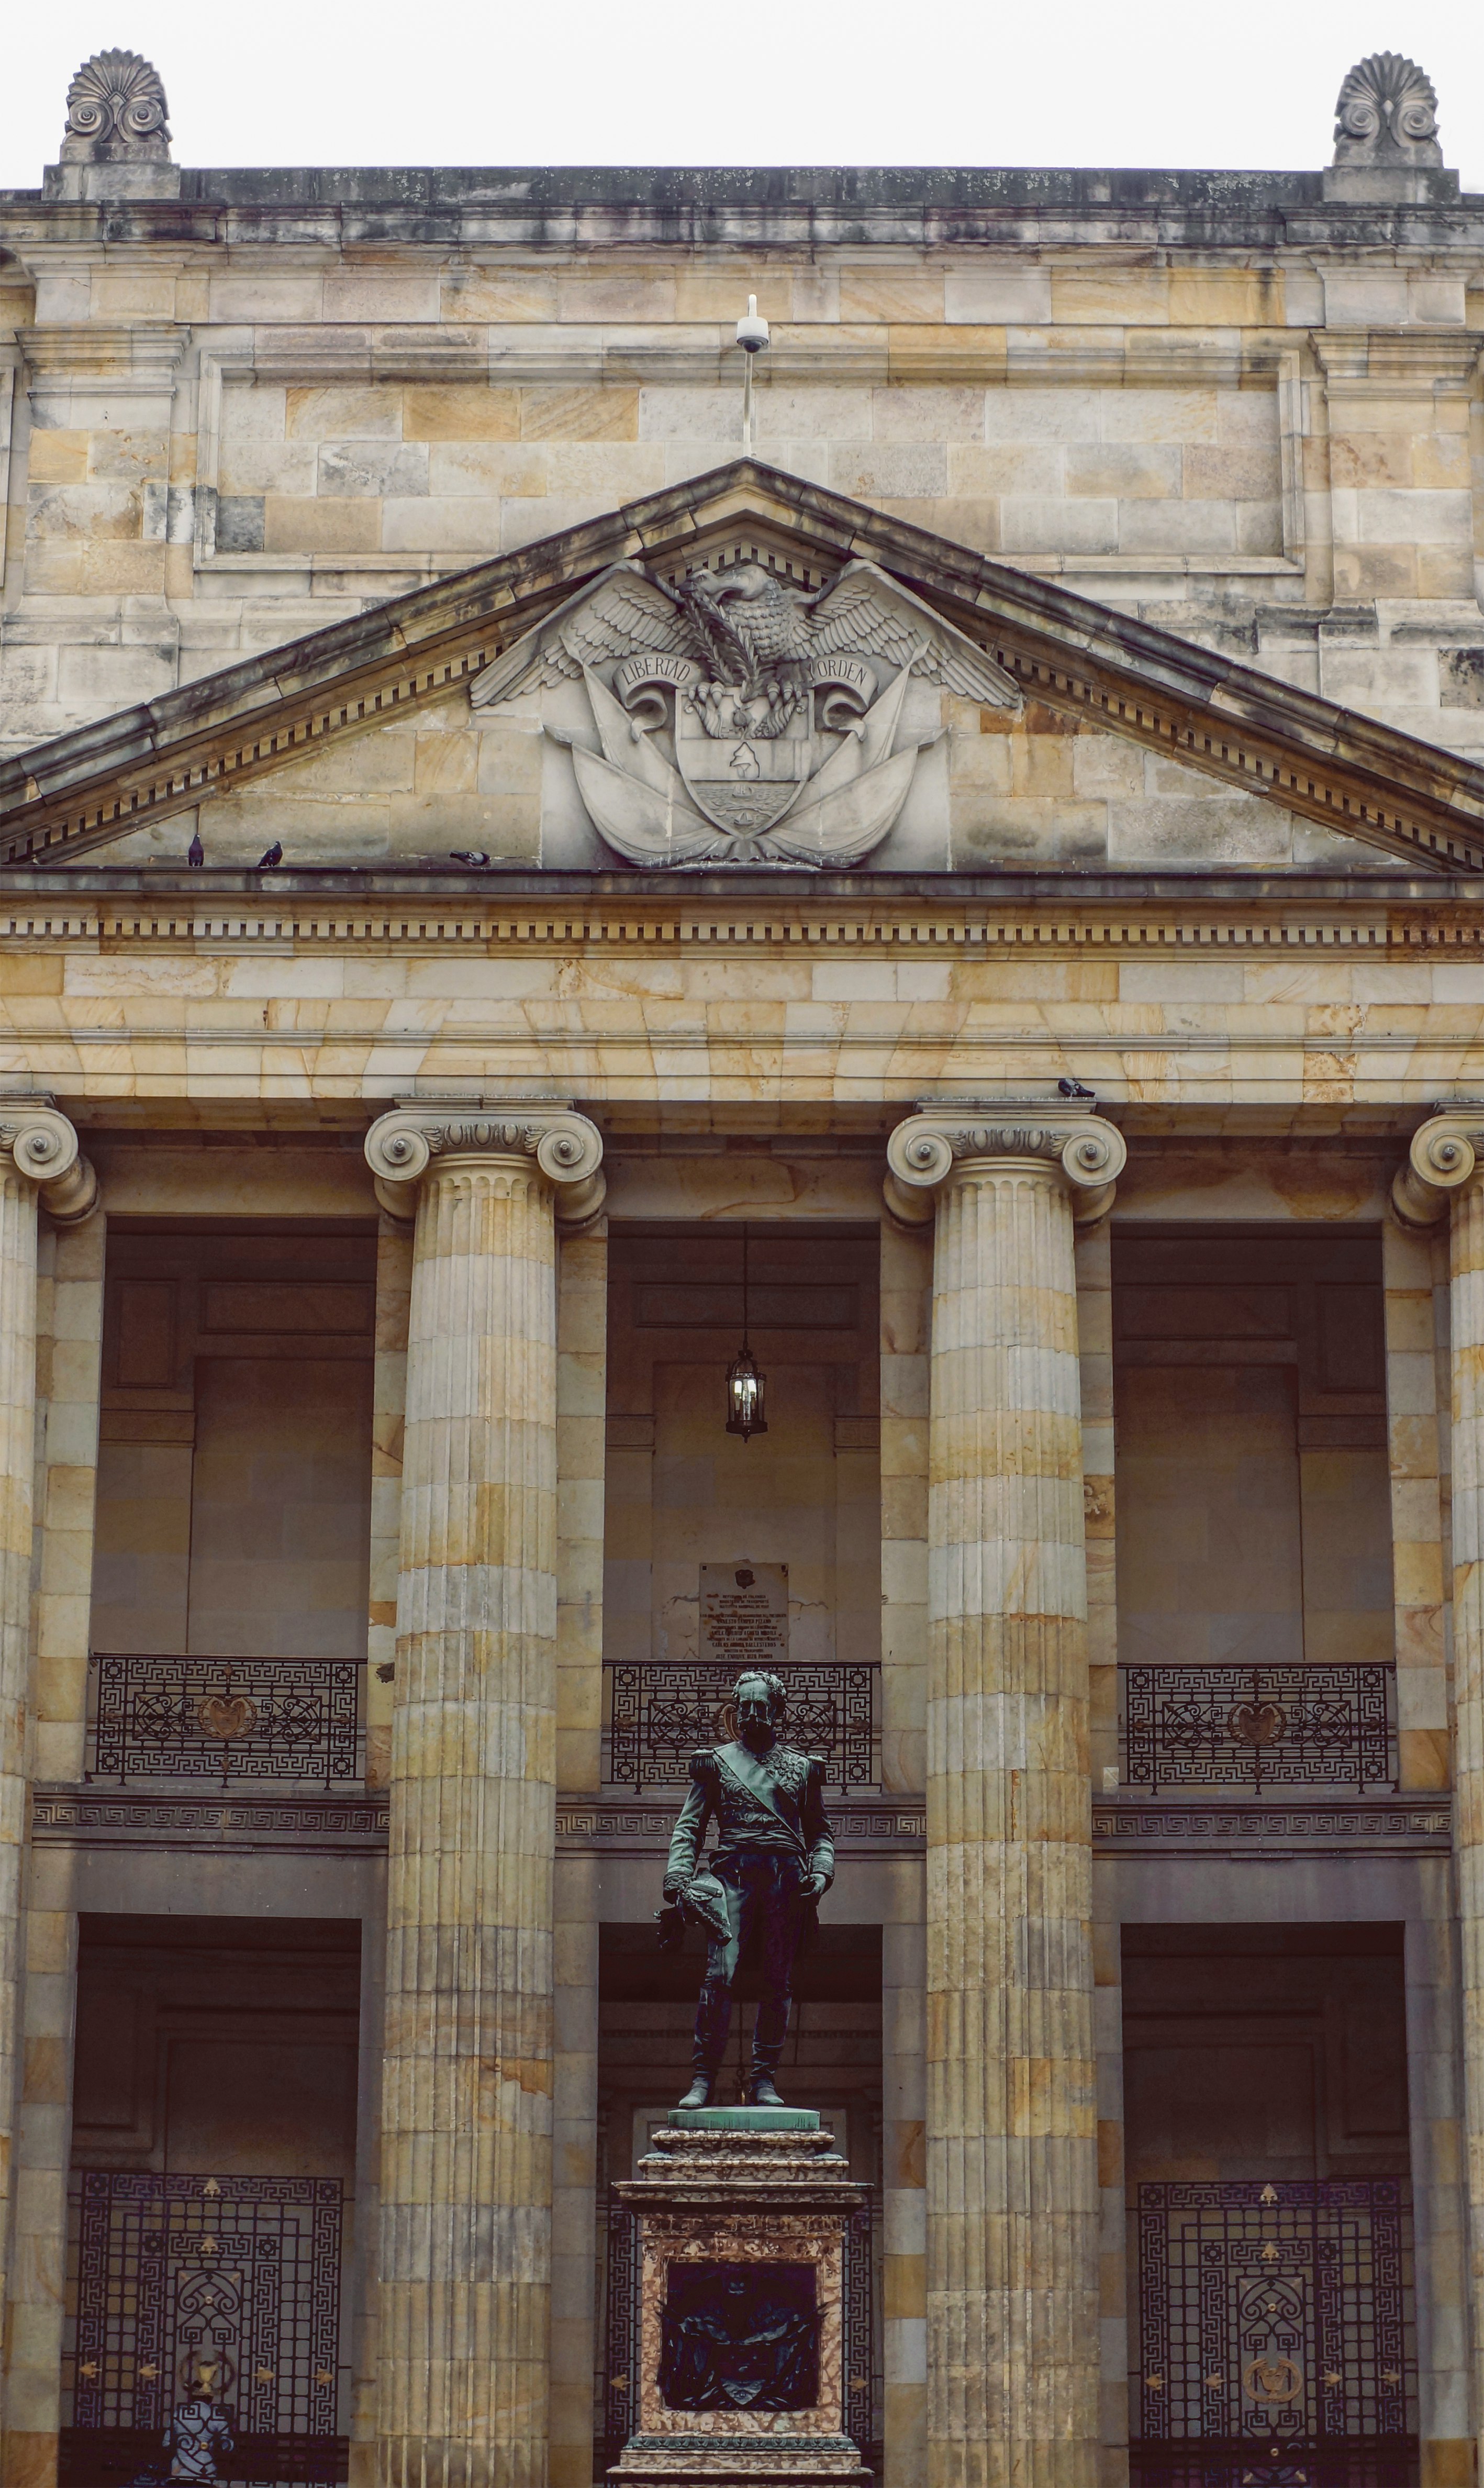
(699, 1760)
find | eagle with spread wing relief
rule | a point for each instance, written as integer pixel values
(729, 663)
(740, 624)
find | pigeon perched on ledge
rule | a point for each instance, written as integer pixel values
(195, 853)
(474, 857)
(1075, 1089)
(271, 862)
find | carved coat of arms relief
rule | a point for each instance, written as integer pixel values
(739, 719)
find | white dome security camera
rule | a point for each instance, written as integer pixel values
(752, 333)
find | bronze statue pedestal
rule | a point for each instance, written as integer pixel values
(739, 2357)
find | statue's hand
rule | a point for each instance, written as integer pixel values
(673, 1887)
(815, 1887)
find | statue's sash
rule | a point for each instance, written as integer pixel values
(763, 1790)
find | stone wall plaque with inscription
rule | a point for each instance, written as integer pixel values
(745, 1614)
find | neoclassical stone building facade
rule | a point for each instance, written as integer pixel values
(514, 886)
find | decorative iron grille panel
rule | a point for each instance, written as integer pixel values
(231, 2287)
(1345, 2466)
(1275, 2335)
(1258, 1727)
(863, 2415)
(226, 1718)
(661, 1711)
(620, 2335)
(621, 2331)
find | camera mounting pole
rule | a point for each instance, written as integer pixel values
(752, 335)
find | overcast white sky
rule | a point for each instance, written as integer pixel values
(757, 82)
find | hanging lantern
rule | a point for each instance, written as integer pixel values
(746, 1407)
(745, 1404)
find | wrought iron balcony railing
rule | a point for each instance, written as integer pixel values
(659, 1710)
(226, 1719)
(1258, 1727)
(1275, 2335)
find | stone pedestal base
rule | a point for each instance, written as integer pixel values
(740, 2332)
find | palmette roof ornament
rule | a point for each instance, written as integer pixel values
(1386, 114)
(116, 113)
(736, 718)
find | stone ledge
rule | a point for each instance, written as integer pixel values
(354, 1824)
(1131, 1826)
(641, 1827)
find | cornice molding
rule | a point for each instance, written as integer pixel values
(1448, 923)
(1392, 362)
(129, 361)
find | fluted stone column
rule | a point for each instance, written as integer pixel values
(463, 2370)
(1444, 1172)
(1012, 2292)
(38, 1160)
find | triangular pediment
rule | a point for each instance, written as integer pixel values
(991, 720)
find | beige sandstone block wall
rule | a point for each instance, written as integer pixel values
(204, 459)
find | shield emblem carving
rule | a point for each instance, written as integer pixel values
(739, 769)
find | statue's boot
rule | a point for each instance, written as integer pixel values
(700, 2091)
(762, 2092)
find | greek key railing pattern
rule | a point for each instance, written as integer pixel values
(863, 2403)
(1259, 1726)
(227, 2288)
(659, 1710)
(225, 1719)
(1275, 2335)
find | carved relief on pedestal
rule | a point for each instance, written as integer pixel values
(736, 719)
(739, 2348)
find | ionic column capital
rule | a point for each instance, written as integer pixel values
(1079, 1149)
(565, 1148)
(1445, 1153)
(43, 1146)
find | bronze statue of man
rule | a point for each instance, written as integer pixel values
(775, 1856)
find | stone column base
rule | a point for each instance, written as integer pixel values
(738, 2462)
(742, 2218)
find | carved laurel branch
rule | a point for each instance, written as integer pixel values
(922, 1153)
(43, 1146)
(567, 1148)
(1444, 1153)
